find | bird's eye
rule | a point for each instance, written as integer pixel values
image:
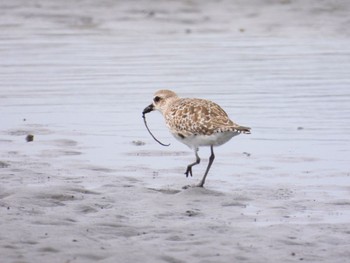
(156, 99)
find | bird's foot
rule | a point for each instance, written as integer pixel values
(192, 186)
(188, 171)
(200, 185)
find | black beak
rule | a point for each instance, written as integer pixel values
(148, 109)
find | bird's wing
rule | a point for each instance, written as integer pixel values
(197, 116)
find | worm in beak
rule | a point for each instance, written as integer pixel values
(148, 109)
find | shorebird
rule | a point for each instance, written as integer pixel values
(196, 123)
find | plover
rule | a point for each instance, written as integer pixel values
(196, 123)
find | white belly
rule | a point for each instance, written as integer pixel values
(195, 141)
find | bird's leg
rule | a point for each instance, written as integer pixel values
(189, 167)
(211, 160)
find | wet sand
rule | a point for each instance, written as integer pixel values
(93, 186)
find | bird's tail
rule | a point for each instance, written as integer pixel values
(243, 129)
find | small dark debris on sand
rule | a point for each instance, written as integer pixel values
(247, 154)
(3, 164)
(138, 143)
(30, 138)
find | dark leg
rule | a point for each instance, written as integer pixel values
(189, 167)
(211, 160)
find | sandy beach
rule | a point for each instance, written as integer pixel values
(93, 186)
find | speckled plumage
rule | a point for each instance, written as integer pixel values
(196, 123)
(197, 116)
